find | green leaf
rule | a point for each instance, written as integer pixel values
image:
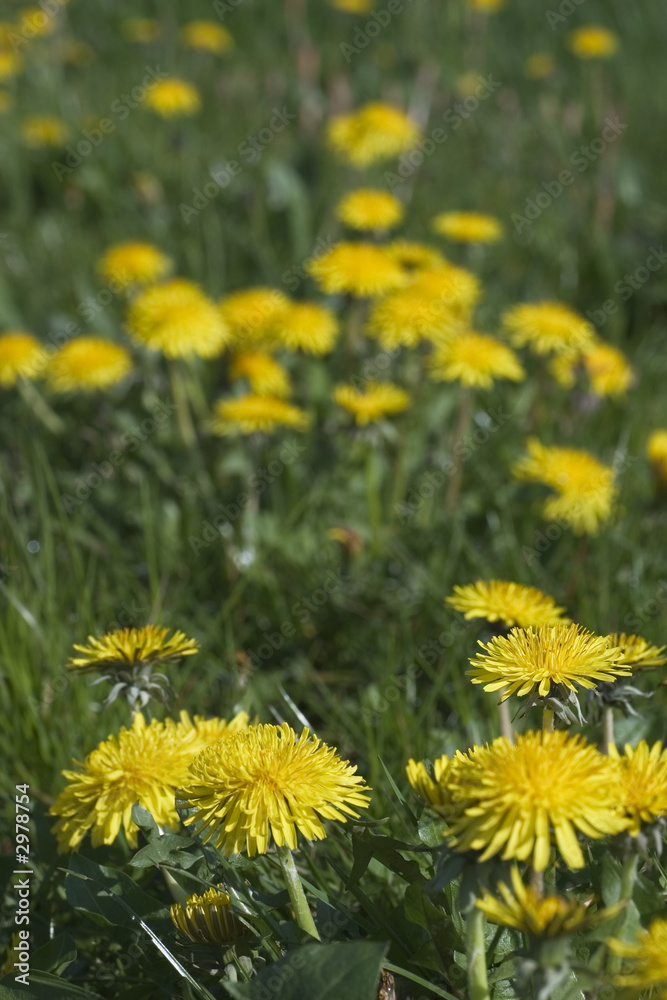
(610, 880)
(326, 971)
(168, 849)
(55, 955)
(106, 893)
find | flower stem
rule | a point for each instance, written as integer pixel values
(628, 876)
(460, 431)
(304, 917)
(608, 731)
(548, 720)
(373, 496)
(505, 721)
(33, 398)
(180, 396)
(478, 985)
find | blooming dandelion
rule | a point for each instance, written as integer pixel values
(360, 269)
(547, 327)
(252, 314)
(532, 660)
(252, 414)
(368, 208)
(40, 131)
(21, 356)
(643, 783)
(539, 916)
(177, 319)
(374, 404)
(468, 227)
(266, 376)
(307, 327)
(408, 316)
(503, 601)
(375, 132)
(134, 263)
(591, 41)
(266, 782)
(608, 370)
(454, 287)
(88, 364)
(173, 98)
(475, 360)
(414, 257)
(132, 647)
(648, 960)
(207, 36)
(585, 487)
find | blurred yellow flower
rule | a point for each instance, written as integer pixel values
(414, 257)
(509, 603)
(529, 911)
(648, 965)
(637, 652)
(251, 315)
(352, 6)
(592, 42)
(21, 356)
(656, 449)
(375, 132)
(456, 288)
(368, 208)
(253, 413)
(375, 403)
(35, 22)
(10, 64)
(360, 269)
(88, 363)
(173, 98)
(143, 30)
(439, 792)
(265, 375)
(643, 783)
(134, 263)
(539, 66)
(179, 320)
(547, 327)
(485, 6)
(468, 227)
(308, 327)
(207, 35)
(608, 369)
(407, 316)
(43, 130)
(585, 487)
(475, 360)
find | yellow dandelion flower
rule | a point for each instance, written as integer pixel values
(510, 603)
(360, 269)
(564, 366)
(531, 660)
(539, 66)
(375, 403)
(253, 413)
(21, 356)
(656, 450)
(527, 910)
(648, 957)
(134, 263)
(513, 795)
(408, 316)
(266, 376)
(352, 6)
(132, 647)
(39, 131)
(592, 42)
(208, 731)
(6, 101)
(208, 918)
(10, 64)
(144, 764)
(207, 36)
(414, 257)
(7, 29)
(265, 781)
(475, 360)
(608, 370)
(440, 791)
(643, 783)
(173, 98)
(143, 30)
(368, 208)
(547, 327)
(251, 315)
(468, 227)
(455, 287)
(35, 23)
(88, 363)
(375, 132)
(637, 652)
(179, 320)
(308, 327)
(585, 487)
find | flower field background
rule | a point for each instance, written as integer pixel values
(308, 402)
